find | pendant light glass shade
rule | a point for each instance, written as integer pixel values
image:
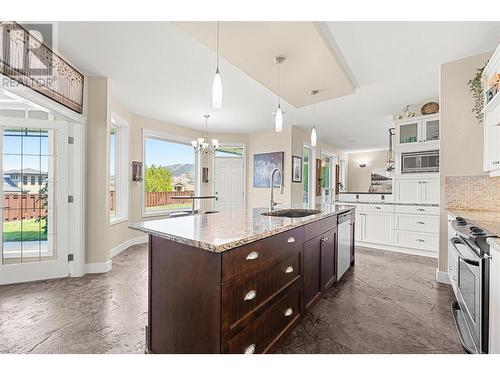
(314, 137)
(217, 90)
(278, 120)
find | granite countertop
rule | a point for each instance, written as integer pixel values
(223, 231)
(489, 220)
(359, 201)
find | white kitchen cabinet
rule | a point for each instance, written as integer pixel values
(417, 190)
(407, 190)
(430, 190)
(491, 112)
(417, 240)
(417, 133)
(377, 227)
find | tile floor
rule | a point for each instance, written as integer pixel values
(389, 303)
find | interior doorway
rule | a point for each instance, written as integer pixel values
(229, 177)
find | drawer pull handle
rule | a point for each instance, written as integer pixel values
(421, 222)
(289, 269)
(378, 208)
(253, 255)
(288, 312)
(420, 240)
(250, 295)
(250, 349)
(420, 210)
(291, 240)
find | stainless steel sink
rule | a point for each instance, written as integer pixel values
(292, 212)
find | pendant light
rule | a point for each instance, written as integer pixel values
(314, 135)
(204, 145)
(217, 84)
(278, 117)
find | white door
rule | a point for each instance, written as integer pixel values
(408, 191)
(34, 235)
(377, 227)
(229, 187)
(430, 190)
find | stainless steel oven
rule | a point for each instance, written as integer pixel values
(469, 276)
(420, 162)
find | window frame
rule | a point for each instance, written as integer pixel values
(167, 137)
(121, 169)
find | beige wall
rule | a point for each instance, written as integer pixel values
(299, 138)
(97, 171)
(263, 142)
(461, 144)
(359, 179)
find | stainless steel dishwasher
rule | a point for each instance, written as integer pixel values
(344, 230)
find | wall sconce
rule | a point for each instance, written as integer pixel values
(136, 171)
(362, 163)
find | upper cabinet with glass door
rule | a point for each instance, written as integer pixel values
(418, 133)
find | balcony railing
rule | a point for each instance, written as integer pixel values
(31, 63)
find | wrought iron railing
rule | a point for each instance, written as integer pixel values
(31, 63)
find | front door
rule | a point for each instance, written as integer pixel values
(229, 187)
(34, 235)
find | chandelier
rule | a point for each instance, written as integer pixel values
(205, 145)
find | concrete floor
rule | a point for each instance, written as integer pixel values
(389, 303)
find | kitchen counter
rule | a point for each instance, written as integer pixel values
(389, 203)
(238, 281)
(221, 231)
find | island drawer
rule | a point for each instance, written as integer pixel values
(263, 332)
(319, 227)
(255, 254)
(244, 294)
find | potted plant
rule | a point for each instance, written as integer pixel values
(476, 89)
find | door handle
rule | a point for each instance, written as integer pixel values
(324, 239)
(291, 240)
(250, 295)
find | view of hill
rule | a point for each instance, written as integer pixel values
(180, 169)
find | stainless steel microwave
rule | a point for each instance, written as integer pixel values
(420, 162)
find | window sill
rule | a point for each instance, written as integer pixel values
(117, 220)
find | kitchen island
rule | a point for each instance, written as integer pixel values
(237, 281)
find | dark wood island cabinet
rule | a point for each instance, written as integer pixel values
(241, 299)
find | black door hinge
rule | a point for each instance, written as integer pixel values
(70, 257)
(71, 140)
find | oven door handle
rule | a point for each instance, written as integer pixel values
(472, 262)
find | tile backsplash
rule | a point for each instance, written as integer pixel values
(473, 193)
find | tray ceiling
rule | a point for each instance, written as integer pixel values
(311, 62)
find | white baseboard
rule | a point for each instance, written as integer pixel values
(125, 245)
(98, 267)
(397, 249)
(442, 277)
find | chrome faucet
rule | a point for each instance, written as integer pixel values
(272, 203)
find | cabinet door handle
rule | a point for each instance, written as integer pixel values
(291, 239)
(288, 312)
(378, 208)
(324, 239)
(420, 240)
(250, 349)
(253, 255)
(289, 269)
(421, 222)
(420, 210)
(250, 295)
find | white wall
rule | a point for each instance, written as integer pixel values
(359, 179)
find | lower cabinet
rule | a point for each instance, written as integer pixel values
(377, 227)
(312, 270)
(328, 259)
(244, 300)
